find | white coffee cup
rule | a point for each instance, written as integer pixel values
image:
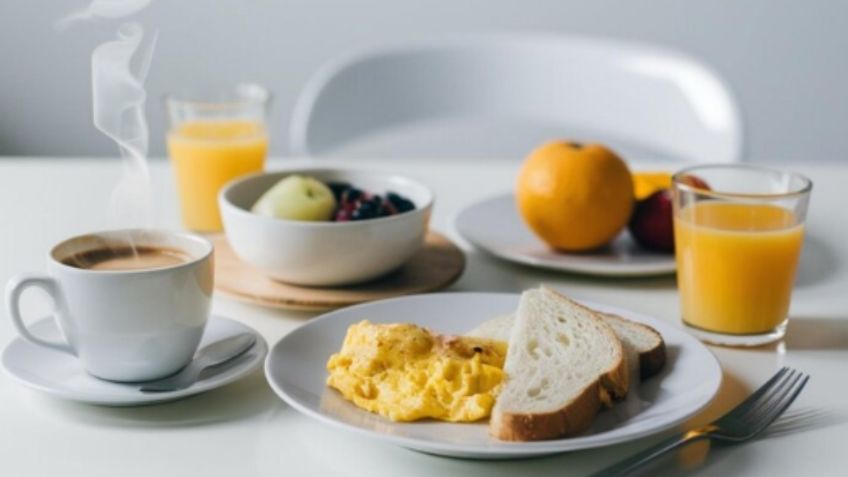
(124, 325)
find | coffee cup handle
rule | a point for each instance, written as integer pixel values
(14, 289)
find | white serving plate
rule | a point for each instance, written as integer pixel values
(495, 226)
(295, 368)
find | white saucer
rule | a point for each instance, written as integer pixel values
(61, 375)
(495, 226)
(296, 370)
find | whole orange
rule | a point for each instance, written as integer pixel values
(575, 197)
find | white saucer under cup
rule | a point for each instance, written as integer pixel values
(61, 375)
(495, 226)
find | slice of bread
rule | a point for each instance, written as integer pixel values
(498, 328)
(564, 362)
(643, 345)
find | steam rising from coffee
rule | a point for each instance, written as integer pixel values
(104, 9)
(118, 70)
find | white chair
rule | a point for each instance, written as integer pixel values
(498, 96)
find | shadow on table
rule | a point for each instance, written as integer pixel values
(484, 272)
(732, 391)
(816, 333)
(795, 421)
(819, 262)
(243, 399)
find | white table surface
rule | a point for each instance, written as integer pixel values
(244, 430)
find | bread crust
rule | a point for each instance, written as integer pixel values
(575, 417)
(652, 361)
(617, 380)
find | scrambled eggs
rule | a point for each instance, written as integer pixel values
(406, 372)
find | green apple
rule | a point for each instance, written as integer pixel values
(297, 198)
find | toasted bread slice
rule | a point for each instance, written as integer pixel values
(564, 362)
(643, 345)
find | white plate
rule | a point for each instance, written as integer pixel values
(495, 226)
(295, 368)
(61, 375)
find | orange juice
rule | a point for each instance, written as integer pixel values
(736, 265)
(206, 155)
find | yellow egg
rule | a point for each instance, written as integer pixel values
(405, 372)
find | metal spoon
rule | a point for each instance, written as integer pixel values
(210, 355)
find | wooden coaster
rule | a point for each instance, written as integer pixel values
(437, 265)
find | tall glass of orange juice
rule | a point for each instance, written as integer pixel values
(212, 141)
(738, 232)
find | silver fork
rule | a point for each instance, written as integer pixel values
(741, 424)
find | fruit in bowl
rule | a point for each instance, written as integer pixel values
(306, 198)
(297, 198)
(311, 244)
(357, 204)
(575, 197)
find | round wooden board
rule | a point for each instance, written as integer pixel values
(437, 265)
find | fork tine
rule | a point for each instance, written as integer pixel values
(748, 404)
(774, 394)
(775, 398)
(783, 405)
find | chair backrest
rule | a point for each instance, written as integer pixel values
(657, 100)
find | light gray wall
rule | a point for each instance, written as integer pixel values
(785, 59)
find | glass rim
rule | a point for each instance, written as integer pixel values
(805, 187)
(243, 95)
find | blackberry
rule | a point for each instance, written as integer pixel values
(338, 188)
(366, 210)
(384, 207)
(350, 195)
(401, 203)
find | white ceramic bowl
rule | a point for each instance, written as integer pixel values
(325, 253)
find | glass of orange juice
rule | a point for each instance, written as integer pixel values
(213, 140)
(738, 231)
